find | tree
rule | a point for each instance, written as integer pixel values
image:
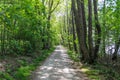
(52, 5)
(97, 31)
(90, 39)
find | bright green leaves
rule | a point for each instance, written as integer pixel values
(23, 21)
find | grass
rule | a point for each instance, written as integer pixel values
(97, 71)
(5, 76)
(93, 74)
(23, 72)
(73, 56)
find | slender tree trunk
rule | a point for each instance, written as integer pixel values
(90, 40)
(84, 20)
(104, 27)
(83, 45)
(65, 30)
(48, 30)
(98, 30)
(80, 30)
(2, 40)
(77, 25)
(68, 26)
(74, 34)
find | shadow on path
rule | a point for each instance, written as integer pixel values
(58, 67)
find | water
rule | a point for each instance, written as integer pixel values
(111, 48)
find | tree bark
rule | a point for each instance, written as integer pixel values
(98, 30)
(74, 33)
(80, 32)
(90, 40)
(104, 26)
(84, 20)
(77, 25)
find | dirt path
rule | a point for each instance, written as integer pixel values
(58, 67)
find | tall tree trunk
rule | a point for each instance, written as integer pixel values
(98, 30)
(74, 33)
(84, 20)
(51, 9)
(68, 26)
(90, 40)
(80, 30)
(77, 26)
(2, 40)
(83, 45)
(104, 27)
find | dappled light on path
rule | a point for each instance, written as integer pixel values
(58, 67)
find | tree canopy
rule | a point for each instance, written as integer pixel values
(89, 28)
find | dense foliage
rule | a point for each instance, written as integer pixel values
(89, 28)
(26, 36)
(24, 27)
(92, 29)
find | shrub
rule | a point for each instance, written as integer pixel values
(5, 76)
(21, 47)
(23, 72)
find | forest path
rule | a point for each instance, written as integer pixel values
(58, 67)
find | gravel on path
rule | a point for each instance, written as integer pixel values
(58, 67)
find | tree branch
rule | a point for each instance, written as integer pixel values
(55, 7)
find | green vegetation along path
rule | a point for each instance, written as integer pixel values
(58, 67)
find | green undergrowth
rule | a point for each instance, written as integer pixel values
(97, 71)
(5, 76)
(93, 74)
(101, 72)
(24, 71)
(73, 56)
